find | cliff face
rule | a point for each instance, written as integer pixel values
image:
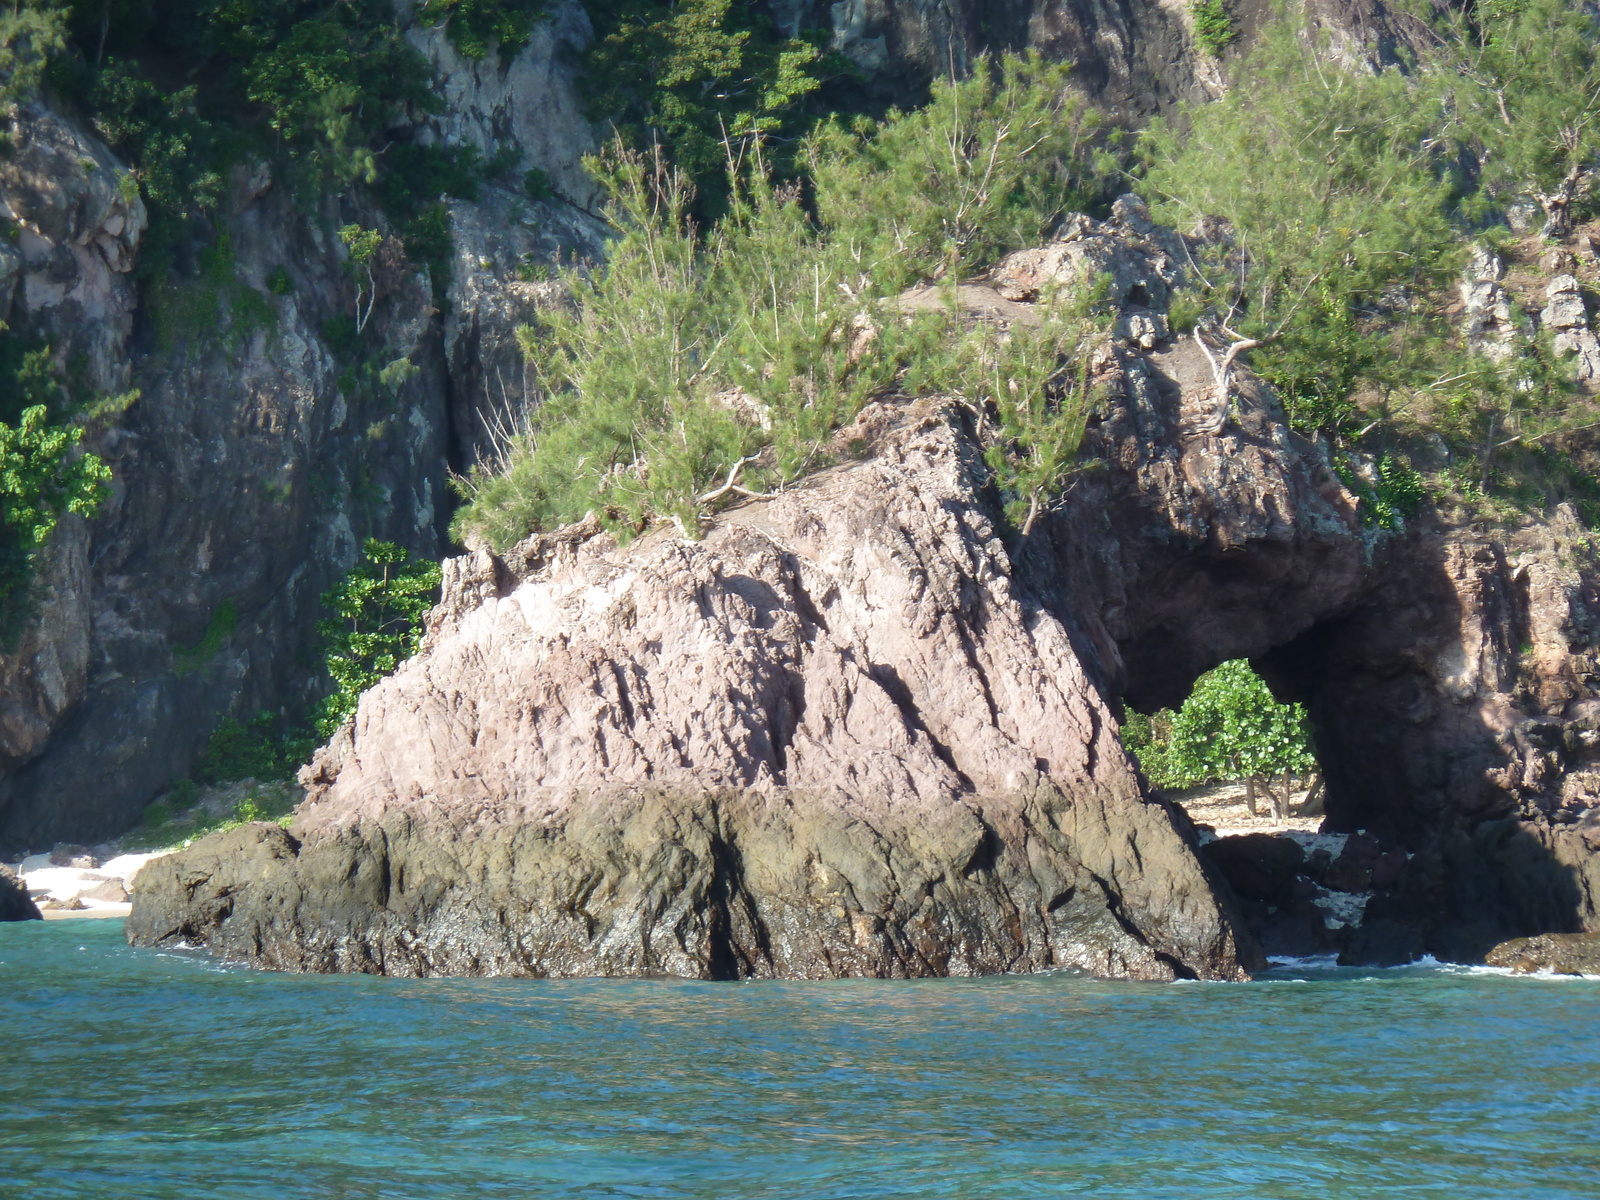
(1135, 58)
(250, 467)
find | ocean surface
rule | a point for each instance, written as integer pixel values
(136, 1073)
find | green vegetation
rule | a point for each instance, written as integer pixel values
(700, 78)
(255, 749)
(177, 822)
(188, 659)
(1340, 206)
(378, 609)
(322, 90)
(377, 623)
(477, 26)
(1213, 27)
(30, 32)
(1230, 727)
(1522, 77)
(44, 473)
(696, 368)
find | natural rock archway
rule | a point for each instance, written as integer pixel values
(860, 729)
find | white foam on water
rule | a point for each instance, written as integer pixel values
(1314, 962)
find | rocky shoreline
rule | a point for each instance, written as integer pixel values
(833, 737)
(856, 727)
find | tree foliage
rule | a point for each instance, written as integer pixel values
(692, 75)
(477, 26)
(1335, 193)
(991, 163)
(1230, 727)
(43, 475)
(1526, 90)
(692, 363)
(30, 32)
(377, 624)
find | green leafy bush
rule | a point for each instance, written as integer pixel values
(991, 163)
(697, 77)
(1230, 727)
(30, 32)
(43, 475)
(258, 749)
(377, 624)
(477, 26)
(1213, 27)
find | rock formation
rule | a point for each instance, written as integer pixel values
(1557, 953)
(15, 903)
(672, 755)
(835, 737)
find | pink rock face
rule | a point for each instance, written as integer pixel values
(859, 638)
(834, 737)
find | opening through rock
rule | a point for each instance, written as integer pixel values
(1235, 757)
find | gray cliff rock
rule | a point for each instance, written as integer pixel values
(244, 478)
(835, 737)
(1132, 57)
(524, 111)
(254, 461)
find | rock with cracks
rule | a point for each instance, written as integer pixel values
(835, 737)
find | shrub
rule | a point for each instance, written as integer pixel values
(1524, 76)
(536, 185)
(691, 75)
(796, 316)
(1213, 27)
(30, 32)
(1230, 727)
(260, 749)
(378, 611)
(1336, 190)
(43, 475)
(991, 163)
(476, 26)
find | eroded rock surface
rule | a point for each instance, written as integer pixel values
(834, 737)
(15, 903)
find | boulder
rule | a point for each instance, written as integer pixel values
(15, 903)
(110, 892)
(1559, 953)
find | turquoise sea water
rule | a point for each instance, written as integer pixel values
(136, 1073)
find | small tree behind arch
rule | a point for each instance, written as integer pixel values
(1230, 727)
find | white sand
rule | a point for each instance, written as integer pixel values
(66, 884)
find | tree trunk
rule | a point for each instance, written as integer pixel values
(1250, 794)
(1311, 806)
(1557, 205)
